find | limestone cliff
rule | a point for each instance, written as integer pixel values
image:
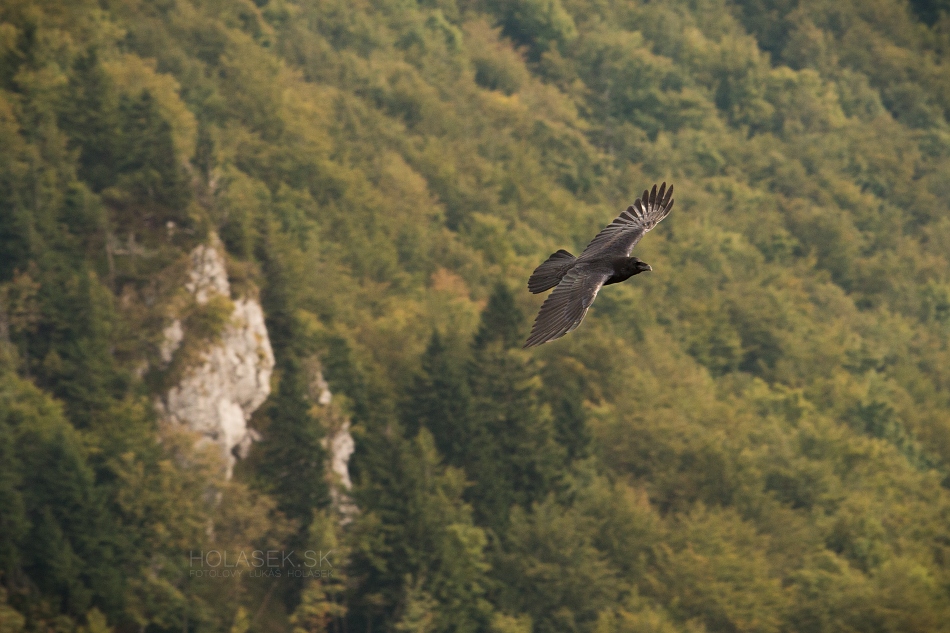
(217, 396)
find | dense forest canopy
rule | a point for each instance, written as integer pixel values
(755, 437)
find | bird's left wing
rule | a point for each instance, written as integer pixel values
(620, 236)
(565, 308)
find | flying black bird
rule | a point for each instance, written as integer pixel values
(605, 261)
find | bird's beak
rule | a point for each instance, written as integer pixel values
(650, 268)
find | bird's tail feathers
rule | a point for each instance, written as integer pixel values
(550, 273)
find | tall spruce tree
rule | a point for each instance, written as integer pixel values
(290, 460)
(150, 167)
(90, 116)
(440, 400)
(502, 322)
(71, 351)
(512, 457)
(564, 384)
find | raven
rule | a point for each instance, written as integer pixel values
(605, 261)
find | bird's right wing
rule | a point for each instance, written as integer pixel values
(620, 236)
(565, 308)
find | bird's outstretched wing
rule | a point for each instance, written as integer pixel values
(620, 236)
(565, 308)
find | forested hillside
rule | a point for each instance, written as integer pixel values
(754, 437)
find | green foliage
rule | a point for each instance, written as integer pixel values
(61, 530)
(754, 437)
(511, 454)
(420, 557)
(502, 321)
(440, 400)
(290, 464)
(537, 24)
(11, 620)
(321, 607)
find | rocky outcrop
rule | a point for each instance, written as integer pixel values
(217, 397)
(338, 443)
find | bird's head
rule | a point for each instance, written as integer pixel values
(638, 266)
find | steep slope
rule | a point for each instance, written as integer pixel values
(754, 437)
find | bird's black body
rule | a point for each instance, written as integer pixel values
(606, 260)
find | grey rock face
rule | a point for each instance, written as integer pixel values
(338, 442)
(218, 396)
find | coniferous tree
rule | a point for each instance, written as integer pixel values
(440, 400)
(502, 322)
(90, 115)
(13, 520)
(564, 383)
(512, 457)
(416, 551)
(72, 348)
(291, 456)
(291, 461)
(69, 549)
(149, 165)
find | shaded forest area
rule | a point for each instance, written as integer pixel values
(755, 437)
